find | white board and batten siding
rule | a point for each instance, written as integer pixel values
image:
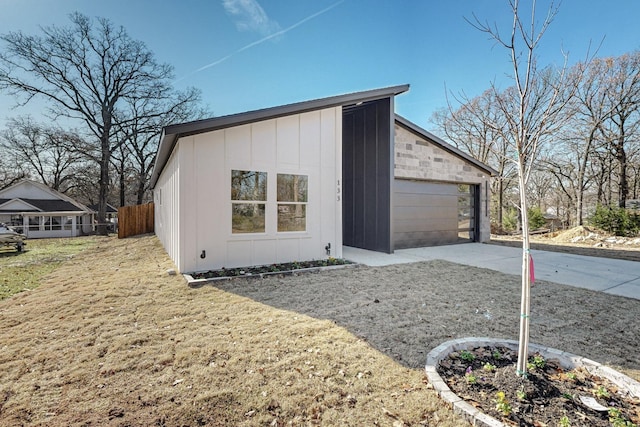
(167, 207)
(302, 144)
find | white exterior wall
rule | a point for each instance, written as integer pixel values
(27, 190)
(418, 158)
(167, 208)
(305, 144)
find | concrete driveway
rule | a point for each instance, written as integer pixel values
(612, 276)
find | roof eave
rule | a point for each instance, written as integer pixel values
(171, 133)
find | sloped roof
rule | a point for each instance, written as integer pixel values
(110, 208)
(16, 205)
(444, 145)
(170, 134)
(42, 205)
(57, 202)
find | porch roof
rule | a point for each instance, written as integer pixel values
(42, 205)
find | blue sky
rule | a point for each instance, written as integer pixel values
(252, 54)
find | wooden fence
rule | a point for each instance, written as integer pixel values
(134, 220)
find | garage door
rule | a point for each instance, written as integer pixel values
(431, 213)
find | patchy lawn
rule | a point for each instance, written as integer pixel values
(23, 271)
(109, 338)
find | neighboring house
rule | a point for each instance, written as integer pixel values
(38, 211)
(298, 182)
(553, 222)
(111, 216)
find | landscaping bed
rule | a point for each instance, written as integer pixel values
(263, 270)
(549, 394)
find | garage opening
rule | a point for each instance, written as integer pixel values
(429, 213)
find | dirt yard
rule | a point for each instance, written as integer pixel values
(110, 338)
(579, 241)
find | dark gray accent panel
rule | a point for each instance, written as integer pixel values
(425, 214)
(367, 156)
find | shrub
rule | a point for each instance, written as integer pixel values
(536, 218)
(615, 220)
(511, 219)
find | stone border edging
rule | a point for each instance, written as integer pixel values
(478, 418)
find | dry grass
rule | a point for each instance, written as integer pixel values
(111, 339)
(23, 271)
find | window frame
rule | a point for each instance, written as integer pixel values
(242, 200)
(282, 202)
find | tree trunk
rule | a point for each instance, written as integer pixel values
(500, 201)
(122, 186)
(141, 189)
(525, 300)
(623, 184)
(579, 204)
(103, 184)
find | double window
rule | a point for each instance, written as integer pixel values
(249, 202)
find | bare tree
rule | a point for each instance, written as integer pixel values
(621, 129)
(10, 171)
(540, 188)
(85, 184)
(86, 72)
(532, 114)
(142, 133)
(472, 127)
(121, 162)
(570, 159)
(43, 150)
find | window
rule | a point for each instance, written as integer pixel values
(248, 201)
(34, 222)
(466, 211)
(292, 202)
(52, 223)
(68, 225)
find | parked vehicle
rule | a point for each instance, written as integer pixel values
(9, 237)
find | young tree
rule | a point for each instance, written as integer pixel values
(87, 72)
(532, 111)
(472, 127)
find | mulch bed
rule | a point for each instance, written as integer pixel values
(549, 395)
(269, 269)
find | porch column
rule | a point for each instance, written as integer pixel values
(25, 225)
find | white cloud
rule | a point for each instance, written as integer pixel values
(248, 15)
(235, 7)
